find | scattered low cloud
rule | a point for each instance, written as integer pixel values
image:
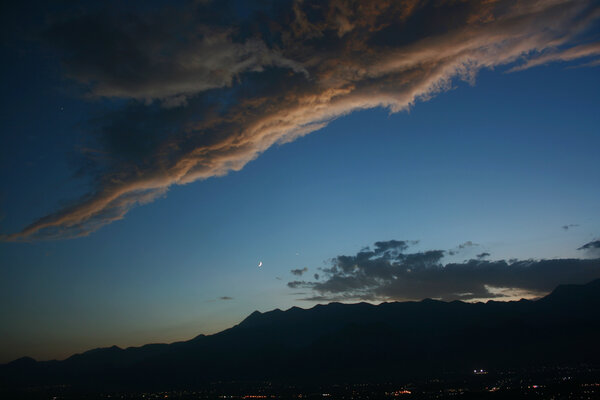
(299, 272)
(458, 249)
(198, 91)
(297, 284)
(225, 298)
(390, 272)
(316, 277)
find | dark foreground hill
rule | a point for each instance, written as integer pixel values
(346, 342)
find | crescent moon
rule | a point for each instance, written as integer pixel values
(260, 264)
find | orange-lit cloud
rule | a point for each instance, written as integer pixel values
(204, 98)
(570, 54)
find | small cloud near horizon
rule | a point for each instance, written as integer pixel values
(592, 248)
(569, 226)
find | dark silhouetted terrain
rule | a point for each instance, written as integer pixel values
(345, 342)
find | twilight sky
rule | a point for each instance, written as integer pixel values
(152, 154)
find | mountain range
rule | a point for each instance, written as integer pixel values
(346, 342)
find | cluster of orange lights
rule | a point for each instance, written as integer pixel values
(400, 392)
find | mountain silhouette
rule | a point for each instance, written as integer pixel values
(344, 342)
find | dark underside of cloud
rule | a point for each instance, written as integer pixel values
(389, 272)
(199, 89)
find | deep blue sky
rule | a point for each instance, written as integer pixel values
(505, 163)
